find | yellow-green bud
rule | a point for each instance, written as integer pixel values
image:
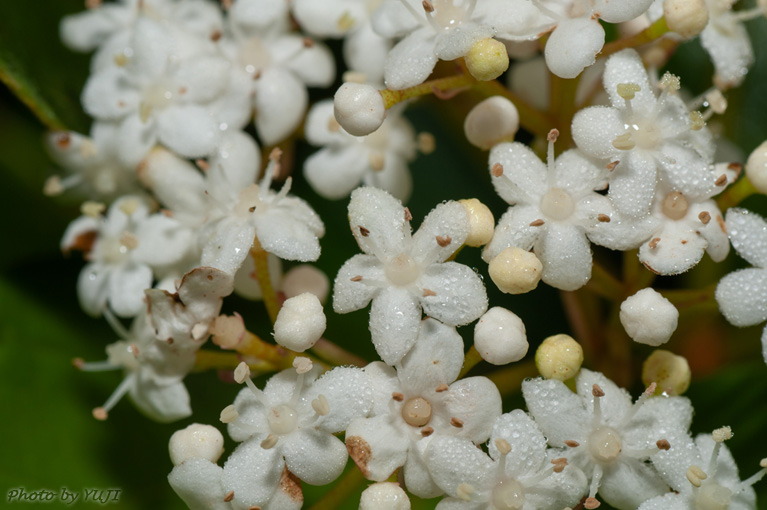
(515, 271)
(669, 372)
(487, 59)
(559, 357)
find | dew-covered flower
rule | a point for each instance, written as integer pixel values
(606, 435)
(289, 427)
(517, 475)
(727, 42)
(344, 161)
(420, 401)
(742, 295)
(404, 274)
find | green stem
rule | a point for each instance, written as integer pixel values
(735, 194)
(509, 379)
(687, 298)
(336, 355)
(470, 361)
(348, 484)
(649, 34)
(31, 98)
(605, 284)
(268, 294)
(438, 87)
(219, 360)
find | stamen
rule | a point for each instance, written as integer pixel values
(357, 278)
(229, 496)
(751, 480)
(441, 388)
(408, 216)
(572, 444)
(321, 405)
(427, 431)
(641, 400)
(363, 231)
(663, 444)
(269, 442)
(704, 217)
(242, 374)
(427, 6)
(598, 393)
(603, 218)
(596, 480)
(92, 209)
(229, 414)
(497, 170)
(552, 138)
(428, 292)
(697, 122)
(456, 422)
(94, 366)
(399, 397)
(302, 365)
(119, 392)
(624, 142)
(537, 223)
(670, 83)
(444, 241)
(464, 491)
(503, 446)
(695, 474)
(720, 435)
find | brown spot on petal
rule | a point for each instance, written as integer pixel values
(720, 221)
(572, 444)
(735, 167)
(663, 444)
(359, 451)
(428, 292)
(603, 218)
(537, 223)
(83, 242)
(704, 217)
(229, 496)
(611, 166)
(497, 170)
(290, 485)
(357, 278)
(441, 388)
(654, 243)
(216, 35)
(363, 231)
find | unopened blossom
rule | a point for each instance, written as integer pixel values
(644, 138)
(379, 159)
(499, 337)
(742, 295)
(289, 427)
(608, 437)
(419, 401)
(517, 475)
(384, 496)
(300, 322)
(648, 317)
(559, 357)
(123, 249)
(404, 274)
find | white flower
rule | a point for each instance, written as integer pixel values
(300, 322)
(404, 274)
(122, 250)
(727, 42)
(290, 426)
(649, 137)
(742, 295)
(648, 317)
(518, 474)
(379, 159)
(418, 402)
(605, 435)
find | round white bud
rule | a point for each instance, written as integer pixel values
(384, 496)
(687, 18)
(492, 121)
(515, 271)
(648, 317)
(756, 168)
(499, 337)
(305, 278)
(487, 59)
(481, 222)
(300, 323)
(670, 373)
(559, 357)
(196, 442)
(359, 108)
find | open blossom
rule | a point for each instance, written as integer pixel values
(607, 436)
(517, 475)
(418, 402)
(727, 42)
(404, 274)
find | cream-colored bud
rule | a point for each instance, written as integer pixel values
(384, 496)
(559, 357)
(481, 222)
(669, 372)
(492, 121)
(756, 168)
(487, 59)
(227, 330)
(305, 278)
(687, 18)
(300, 322)
(196, 441)
(515, 271)
(359, 108)
(499, 337)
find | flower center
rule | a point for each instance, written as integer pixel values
(158, 96)
(508, 494)
(448, 15)
(122, 354)
(604, 444)
(254, 55)
(416, 412)
(675, 205)
(402, 270)
(248, 201)
(283, 419)
(712, 496)
(557, 204)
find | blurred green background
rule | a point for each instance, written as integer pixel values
(51, 439)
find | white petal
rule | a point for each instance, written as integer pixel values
(383, 219)
(565, 253)
(234, 165)
(290, 230)
(578, 174)
(573, 46)
(557, 410)
(394, 318)
(632, 186)
(136, 139)
(376, 447)
(349, 394)
(188, 130)
(201, 79)
(198, 483)
(615, 403)
(161, 402)
(459, 294)
(175, 182)
(727, 41)
(594, 130)
(748, 233)
(252, 473)
(280, 101)
(349, 295)
(314, 456)
(110, 94)
(446, 222)
(227, 245)
(162, 241)
(742, 296)
(524, 175)
(365, 51)
(715, 232)
(670, 501)
(620, 11)
(475, 401)
(626, 67)
(453, 461)
(436, 358)
(385, 382)
(417, 477)
(324, 19)
(629, 482)
(394, 177)
(411, 61)
(87, 30)
(392, 19)
(457, 41)
(514, 230)
(152, 46)
(672, 464)
(126, 289)
(526, 441)
(314, 65)
(334, 173)
(320, 126)
(679, 249)
(202, 289)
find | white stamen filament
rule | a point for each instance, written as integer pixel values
(751, 480)
(641, 400)
(119, 392)
(596, 480)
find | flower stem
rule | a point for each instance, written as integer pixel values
(470, 361)
(735, 194)
(345, 486)
(438, 87)
(336, 355)
(605, 284)
(261, 260)
(687, 298)
(649, 34)
(509, 379)
(218, 360)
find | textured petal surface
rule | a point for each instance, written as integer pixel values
(594, 130)
(350, 295)
(742, 296)
(477, 403)
(314, 456)
(198, 483)
(453, 461)
(679, 248)
(526, 441)
(727, 41)
(626, 67)
(524, 175)
(748, 233)
(565, 253)
(514, 230)
(376, 447)
(349, 395)
(446, 224)
(573, 46)
(280, 101)
(411, 61)
(459, 294)
(436, 358)
(290, 231)
(394, 318)
(557, 410)
(383, 217)
(188, 130)
(126, 289)
(629, 482)
(252, 473)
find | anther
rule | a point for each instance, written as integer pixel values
(670, 82)
(503, 446)
(321, 405)
(408, 216)
(275, 154)
(597, 391)
(695, 475)
(129, 240)
(611, 166)
(302, 365)
(308, 43)
(704, 217)
(591, 503)
(537, 223)
(456, 422)
(553, 135)
(697, 122)
(269, 442)
(716, 101)
(444, 240)
(572, 444)
(464, 491)
(624, 142)
(241, 373)
(559, 464)
(426, 143)
(121, 60)
(428, 292)
(721, 181)
(78, 363)
(229, 496)
(441, 388)
(357, 278)
(100, 413)
(654, 243)
(363, 231)
(229, 414)
(722, 434)
(399, 397)
(216, 35)
(376, 161)
(427, 6)
(427, 431)
(628, 90)
(252, 209)
(603, 218)
(497, 170)
(663, 444)
(92, 209)
(202, 164)
(735, 167)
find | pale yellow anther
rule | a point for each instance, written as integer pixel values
(515, 271)
(763, 463)
(302, 364)
(242, 372)
(121, 60)
(559, 357)
(354, 77)
(464, 492)
(199, 331)
(426, 142)
(321, 405)
(376, 161)
(92, 209)
(487, 59)
(624, 142)
(628, 90)
(269, 442)
(503, 446)
(670, 372)
(129, 206)
(53, 186)
(670, 82)
(717, 101)
(129, 240)
(481, 222)
(229, 414)
(722, 434)
(695, 474)
(227, 330)
(697, 122)
(345, 22)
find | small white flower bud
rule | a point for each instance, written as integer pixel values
(359, 108)
(227, 330)
(756, 168)
(300, 322)
(487, 59)
(481, 222)
(492, 121)
(687, 18)
(670, 373)
(384, 496)
(499, 337)
(648, 317)
(305, 278)
(515, 271)
(559, 357)
(194, 442)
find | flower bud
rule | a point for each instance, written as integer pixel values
(492, 121)
(300, 323)
(227, 330)
(515, 271)
(481, 222)
(756, 168)
(559, 357)
(305, 278)
(384, 496)
(648, 317)
(359, 108)
(687, 18)
(669, 372)
(194, 442)
(487, 59)
(499, 337)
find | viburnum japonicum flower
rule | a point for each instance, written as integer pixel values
(727, 42)
(517, 475)
(607, 436)
(742, 295)
(555, 211)
(644, 138)
(703, 475)
(406, 274)
(288, 428)
(379, 159)
(420, 401)
(123, 249)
